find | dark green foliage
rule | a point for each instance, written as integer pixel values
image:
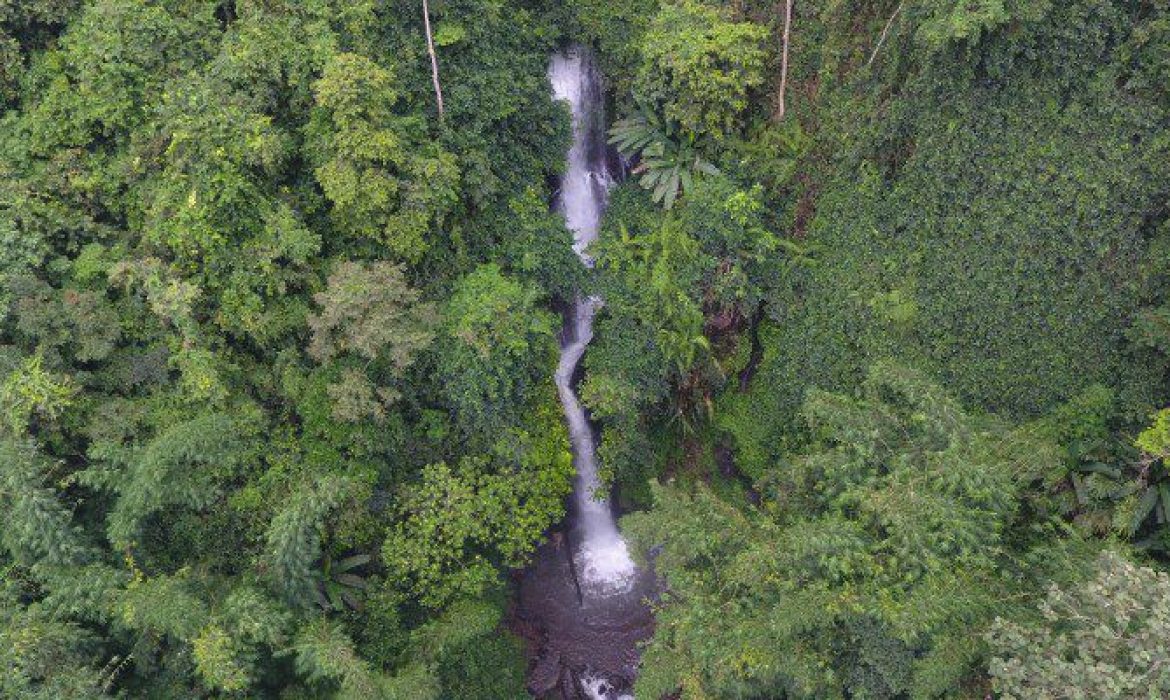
(982, 206)
(537, 247)
(983, 237)
(43, 658)
(183, 466)
(678, 290)
(616, 29)
(867, 565)
(487, 668)
(325, 655)
(294, 538)
(339, 584)
(25, 27)
(37, 527)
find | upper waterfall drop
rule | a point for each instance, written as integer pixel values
(603, 559)
(585, 185)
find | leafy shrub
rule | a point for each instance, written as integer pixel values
(869, 561)
(1103, 638)
(698, 67)
(1013, 251)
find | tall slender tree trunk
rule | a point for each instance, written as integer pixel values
(434, 60)
(784, 57)
(882, 39)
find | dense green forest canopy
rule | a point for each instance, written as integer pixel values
(880, 374)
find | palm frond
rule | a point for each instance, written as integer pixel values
(668, 166)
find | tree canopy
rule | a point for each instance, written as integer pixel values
(880, 377)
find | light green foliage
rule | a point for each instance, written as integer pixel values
(497, 347)
(949, 21)
(627, 369)
(37, 527)
(1155, 440)
(184, 465)
(30, 391)
(215, 660)
(698, 67)
(294, 537)
(227, 651)
(660, 266)
(750, 420)
(208, 172)
(460, 522)
(866, 567)
(209, 192)
(369, 162)
(1094, 639)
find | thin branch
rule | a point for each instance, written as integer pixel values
(882, 38)
(784, 56)
(434, 60)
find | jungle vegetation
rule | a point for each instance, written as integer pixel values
(881, 375)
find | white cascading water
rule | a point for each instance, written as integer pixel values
(603, 561)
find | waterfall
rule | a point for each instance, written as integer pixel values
(603, 560)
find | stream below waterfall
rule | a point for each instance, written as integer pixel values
(582, 604)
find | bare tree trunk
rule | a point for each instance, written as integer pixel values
(434, 60)
(881, 39)
(784, 57)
